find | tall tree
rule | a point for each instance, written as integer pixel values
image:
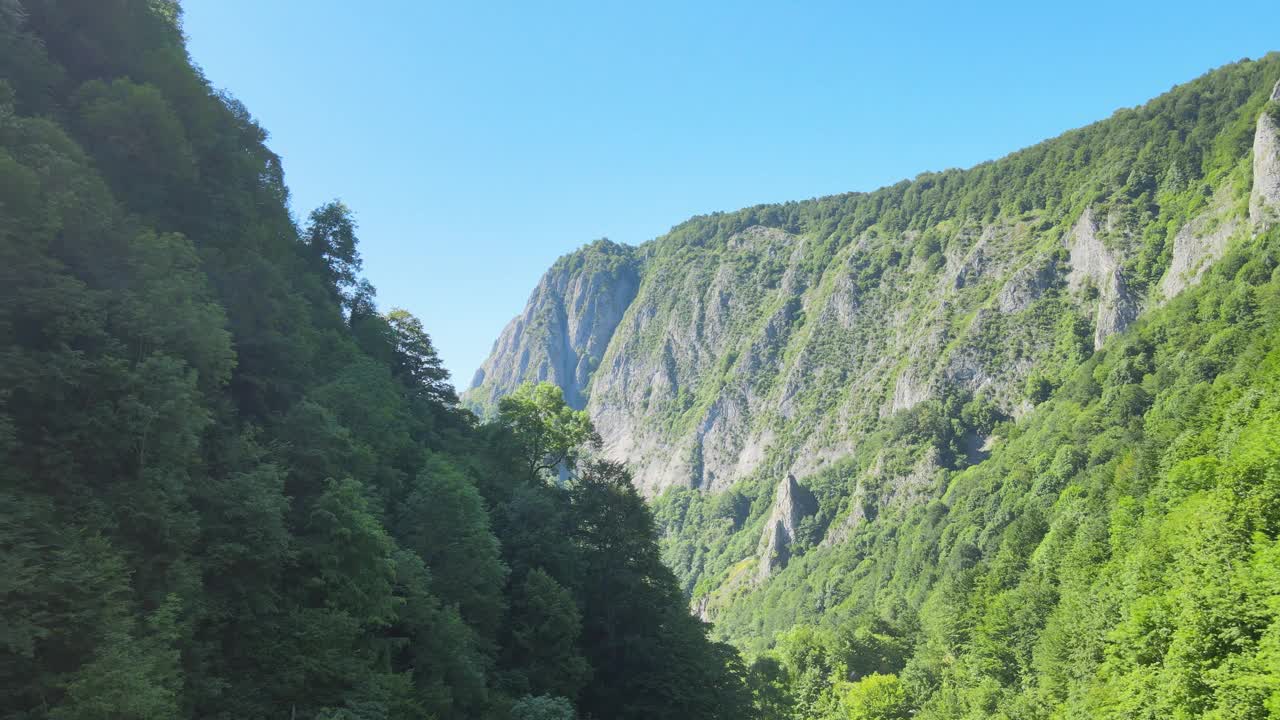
(551, 435)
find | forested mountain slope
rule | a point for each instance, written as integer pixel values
(992, 442)
(771, 340)
(230, 487)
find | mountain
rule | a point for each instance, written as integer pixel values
(935, 432)
(771, 340)
(565, 328)
(997, 443)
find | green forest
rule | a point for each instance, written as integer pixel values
(1114, 552)
(1117, 556)
(233, 487)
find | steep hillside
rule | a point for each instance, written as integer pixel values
(769, 341)
(910, 413)
(1115, 556)
(231, 488)
(565, 328)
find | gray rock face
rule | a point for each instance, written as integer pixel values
(565, 327)
(708, 319)
(1264, 201)
(909, 391)
(791, 504)
(1026, 286)
(1095, 268)
(1200, 242)
(750, 358)
(903, 491)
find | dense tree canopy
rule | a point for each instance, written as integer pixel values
(230, 487)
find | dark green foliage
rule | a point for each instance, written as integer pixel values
(443, 520)
(646, 651)
(545, 629)
(330, 242)
(229, 487)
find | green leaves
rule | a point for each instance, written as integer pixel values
(875, 697)
(550, 434)
(444, 521)
(545, 633)
(330, 239)
(137, 140)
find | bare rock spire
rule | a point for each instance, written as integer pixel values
(792, 503)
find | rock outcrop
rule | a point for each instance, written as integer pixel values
(792, 502)
(703, 337)
(1264, 201)
(1199, 243)
(1095, 273)
(1026, 286)
(565, 327)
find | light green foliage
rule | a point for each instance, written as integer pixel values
(544, 707)
(875, 697)
(551, 434)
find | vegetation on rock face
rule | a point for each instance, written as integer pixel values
(1035, 402)
(775, 339)
(1115, 556)
(230, 487)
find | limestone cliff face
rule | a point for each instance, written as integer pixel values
(1264, 201)
(1095, 272)
(565, 327)
(1200, 242)
(756, 356)
(682, 387)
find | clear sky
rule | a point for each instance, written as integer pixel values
(477, 141)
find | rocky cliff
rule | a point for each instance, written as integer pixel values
(762, 348)
(565, 327)
(1264, 202)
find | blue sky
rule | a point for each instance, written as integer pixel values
(478, 141)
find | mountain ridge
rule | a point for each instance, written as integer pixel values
(990, 443)
(702, 370)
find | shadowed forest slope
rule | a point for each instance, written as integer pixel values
(230, 487)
